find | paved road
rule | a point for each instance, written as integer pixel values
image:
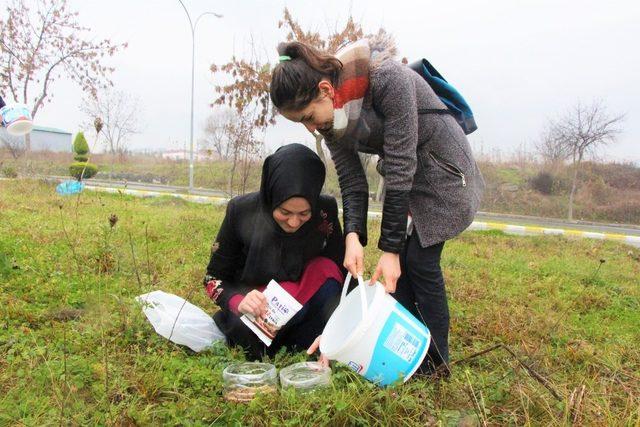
(630, 230)
(626, 229)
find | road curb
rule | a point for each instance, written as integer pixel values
(532, 230)
(519, 230)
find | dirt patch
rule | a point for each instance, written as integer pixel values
(65, 314)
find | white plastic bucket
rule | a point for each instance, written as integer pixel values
(375, 335)
(17, 119)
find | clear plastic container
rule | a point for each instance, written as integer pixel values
(243, 381)
(305, 376)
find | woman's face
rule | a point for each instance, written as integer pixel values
(292, 214)
(318, 114)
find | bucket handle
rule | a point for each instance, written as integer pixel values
(361, 290)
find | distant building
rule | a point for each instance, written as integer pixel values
(184, 155)
(51, 139)
(45, 139)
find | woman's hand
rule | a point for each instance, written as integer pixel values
(389, 268)
(254, 303)
(322, 360)
(354, 255)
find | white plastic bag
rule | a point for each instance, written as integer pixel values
(193, 327)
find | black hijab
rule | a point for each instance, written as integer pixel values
(292, 171)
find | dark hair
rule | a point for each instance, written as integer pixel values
(294, 82)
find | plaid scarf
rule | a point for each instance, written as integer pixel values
(352, 86)
(358, 59)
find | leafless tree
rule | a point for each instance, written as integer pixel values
(41, 41)
(250, 156)
(521, 156)
(251, 78)
(120, 117)
(580, 132)
(216, 139)
(551, 150)
(245, 148)
(13, 144)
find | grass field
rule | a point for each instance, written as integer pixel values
(75, 348)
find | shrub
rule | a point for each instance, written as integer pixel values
(76, 169)
(80, 169)
(623, 176)
(601, 193)
(9, 172)
(543, 182)
(80, 145)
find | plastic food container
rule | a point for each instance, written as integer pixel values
(305, 376)
(17, 119)
(243, 381)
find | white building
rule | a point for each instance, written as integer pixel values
(45, 139)
(51, 139)
(184, 155)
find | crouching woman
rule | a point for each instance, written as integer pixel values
(287, 232)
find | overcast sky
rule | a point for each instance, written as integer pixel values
(517, 62)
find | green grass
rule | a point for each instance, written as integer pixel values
(76, 349)
(511, 175)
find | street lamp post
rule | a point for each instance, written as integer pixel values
(192, 25)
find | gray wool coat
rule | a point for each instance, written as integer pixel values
(425, 154)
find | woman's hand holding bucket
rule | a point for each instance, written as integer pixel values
(354, 255)
(389, 268)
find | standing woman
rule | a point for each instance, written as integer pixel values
(362, 100)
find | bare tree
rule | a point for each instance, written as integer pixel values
(119, 115)
(41, 41)
(232, 136)
(216, 139)
(581, 131)
(551, 149)
(245, 148)
(251, 78)
(250, 156)
(13, 144)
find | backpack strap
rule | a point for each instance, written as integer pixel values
(434, 111)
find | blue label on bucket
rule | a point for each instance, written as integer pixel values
(399, 348)
(402, 343)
